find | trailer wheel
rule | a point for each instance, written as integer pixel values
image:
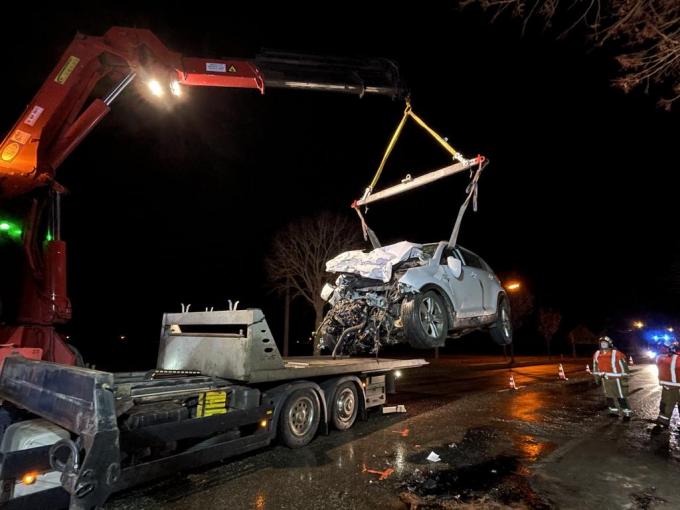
(300, 418)
(345, 406)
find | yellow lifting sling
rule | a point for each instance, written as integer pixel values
(409, 183)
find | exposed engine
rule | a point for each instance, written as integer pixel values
(364, 314)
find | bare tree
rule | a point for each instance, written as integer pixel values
(299, 253)
(548, 324)
(644, 34)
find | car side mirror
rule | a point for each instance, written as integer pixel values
(455, 266)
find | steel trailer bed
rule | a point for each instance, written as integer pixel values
(119, 430)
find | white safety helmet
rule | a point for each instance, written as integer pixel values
(606, 342)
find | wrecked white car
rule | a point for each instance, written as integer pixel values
(415, 293)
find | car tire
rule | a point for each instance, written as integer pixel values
(345, 406)
(501, 331)
(300, 418)
(425, 320)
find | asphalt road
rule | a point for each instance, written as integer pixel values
(548, 444)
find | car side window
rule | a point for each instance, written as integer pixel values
(471, 259)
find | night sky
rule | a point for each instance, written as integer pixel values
(171, 205)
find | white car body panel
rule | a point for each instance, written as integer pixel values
(473, 294)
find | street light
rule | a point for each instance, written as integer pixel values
(513, 286)
(638, 324)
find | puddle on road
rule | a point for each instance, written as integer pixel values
(528, 406)
(501, 479)
(477, 474)
(646, 499)
(531, 449)
(475, 447)
(464, 482)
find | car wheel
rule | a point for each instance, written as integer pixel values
(300, 418)
(425, 320)
(501, 331)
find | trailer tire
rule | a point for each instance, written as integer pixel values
(300, 418)
(344, 406)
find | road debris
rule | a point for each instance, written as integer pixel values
(383, 474)
(394, 409)
(433, 457)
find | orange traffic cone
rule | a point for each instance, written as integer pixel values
(630, 361)
(588, 369)
(512, 382)
(561, 374)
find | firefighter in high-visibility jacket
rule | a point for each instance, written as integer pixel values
(668, 366)
(611, 370)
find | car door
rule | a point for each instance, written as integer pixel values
(474, 276)
(466, 288)
(492, 287)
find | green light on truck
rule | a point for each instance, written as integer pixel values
(10, 229)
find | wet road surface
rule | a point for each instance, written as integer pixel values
(547, 445)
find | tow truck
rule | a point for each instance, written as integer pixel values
(75, 435)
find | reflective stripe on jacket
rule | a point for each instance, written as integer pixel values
(610, 363)
(669, 369)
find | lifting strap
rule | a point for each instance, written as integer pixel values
(408, 113)
(410, 183)
(472, 192)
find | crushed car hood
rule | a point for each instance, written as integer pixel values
(376, 264)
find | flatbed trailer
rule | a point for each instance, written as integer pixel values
(221, 389)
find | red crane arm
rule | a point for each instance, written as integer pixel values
(233, 73)
(57, 119)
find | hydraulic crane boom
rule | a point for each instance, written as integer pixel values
(58, 118)
(62, 114)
